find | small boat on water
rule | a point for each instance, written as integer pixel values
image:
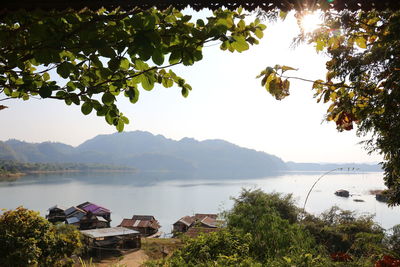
(342, 193)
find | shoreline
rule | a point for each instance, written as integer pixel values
(21, 174)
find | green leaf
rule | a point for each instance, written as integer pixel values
(107, 52)
(283, 15)
(185, 92)
(75, 99)
(133, 94)
(241, 25)
(147, 82)
(361, 42)
(158, 57)
(200, 23)
(120, 126)
(45, 91)
(175, 57)
(124, 64)
(108, 98)
(320, 45)
(64, 69)
(113, 64)
(46, 76)
(240, 44)
(124, 119)
(259, 33)
(86, 108)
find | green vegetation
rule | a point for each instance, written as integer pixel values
(269, 230)
(261, 230)
(27, 239)
(15, 168)
(361, 81)
(104, 53)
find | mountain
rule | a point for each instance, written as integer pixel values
(147, 153)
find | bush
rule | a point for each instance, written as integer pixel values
(27, 239)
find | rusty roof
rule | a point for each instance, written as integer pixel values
(140, 223)
(209, 221)
(187, 220)
(201, 216)
(143, 217)
(7, 6)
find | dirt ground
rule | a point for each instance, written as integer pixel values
(133, 259)
(152, 249)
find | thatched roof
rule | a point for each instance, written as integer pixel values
(10, 5)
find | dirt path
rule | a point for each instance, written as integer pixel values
(133, 259)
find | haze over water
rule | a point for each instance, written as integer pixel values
(126, 194)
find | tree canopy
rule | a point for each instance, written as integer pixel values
(101, 54)
(361, 83)
(27, 239)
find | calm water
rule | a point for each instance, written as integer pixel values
(128, 194)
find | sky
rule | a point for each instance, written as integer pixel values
(227, 102)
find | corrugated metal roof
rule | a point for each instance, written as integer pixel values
(126, 223)
(208, 221)
(140, 223)
(143, 217)
(72, 220)
(94, 208)
(201, 216)
(106, 232)
(101, 219)
(73, 209)
(187, 220)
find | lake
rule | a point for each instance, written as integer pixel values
(126, 194)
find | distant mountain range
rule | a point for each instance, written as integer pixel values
(148, 152)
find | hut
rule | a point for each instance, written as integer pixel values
(183, 224)
(147, 225)
(56, 214)
(84, 216)
(198, 220)
(96, 210)
(113, 239)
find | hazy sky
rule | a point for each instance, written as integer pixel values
(227, 102)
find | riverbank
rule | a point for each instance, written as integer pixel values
(16, 175)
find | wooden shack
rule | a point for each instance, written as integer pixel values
(113, 239)
(147, 225)
(84, 216)
(200, 220)
(56, 214)
(183, 224)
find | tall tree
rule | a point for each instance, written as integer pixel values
(362, 81)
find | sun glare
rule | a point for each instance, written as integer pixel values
(310, 22)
